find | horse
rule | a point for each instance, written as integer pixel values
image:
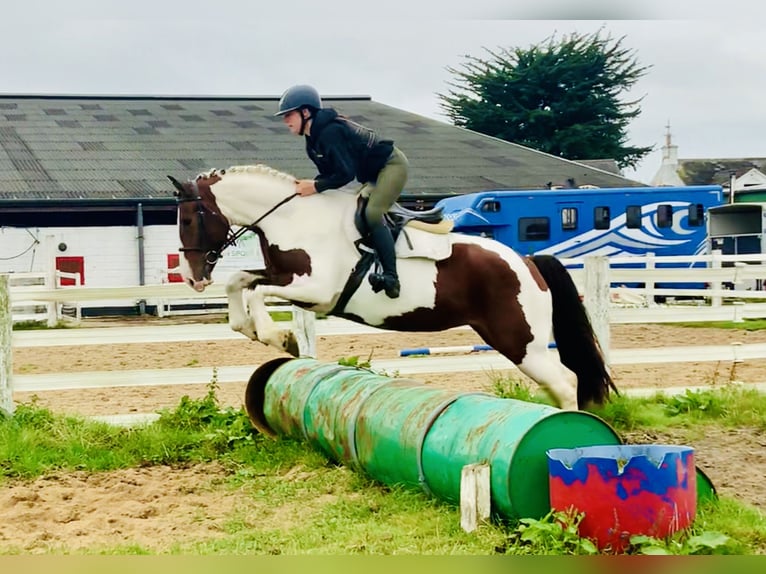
(313, 253)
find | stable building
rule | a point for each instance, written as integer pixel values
(83, 178)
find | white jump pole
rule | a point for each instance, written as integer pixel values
(6, 330)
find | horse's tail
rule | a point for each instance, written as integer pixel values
(576, 342)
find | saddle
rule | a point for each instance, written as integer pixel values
(397, 218)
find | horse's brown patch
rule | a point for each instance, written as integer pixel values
(205, 229)
(536, 274)
(475, 287)
(282, 265)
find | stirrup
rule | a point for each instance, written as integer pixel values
(380, 282)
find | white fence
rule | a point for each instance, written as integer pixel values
(601, 280)
(733, 289)
(25, 302)
(725, 276)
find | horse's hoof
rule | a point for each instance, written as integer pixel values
(290, 344)
(249, 333)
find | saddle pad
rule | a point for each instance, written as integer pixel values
(414, 242)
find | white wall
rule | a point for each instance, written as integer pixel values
(111, 253)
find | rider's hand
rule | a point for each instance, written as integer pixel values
(304, 187)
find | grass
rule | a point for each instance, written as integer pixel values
(746, 325)
(295, 501)
(40, 325)
(728, 405)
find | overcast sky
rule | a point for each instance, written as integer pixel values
(707, 58)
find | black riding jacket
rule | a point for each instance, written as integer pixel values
(343, 150)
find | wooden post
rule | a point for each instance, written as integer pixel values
(6, 330)
(304, 327)
(475, 499)
(596, 290)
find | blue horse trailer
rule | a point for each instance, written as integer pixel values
(572, 223)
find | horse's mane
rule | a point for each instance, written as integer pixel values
(258, 169)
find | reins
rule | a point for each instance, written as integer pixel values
(213, 255)
(232, 237)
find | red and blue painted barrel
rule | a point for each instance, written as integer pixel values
(624, 490)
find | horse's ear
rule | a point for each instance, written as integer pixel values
(177, 184)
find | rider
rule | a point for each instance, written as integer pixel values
(343, 150)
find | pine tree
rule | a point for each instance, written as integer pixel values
(559, 97)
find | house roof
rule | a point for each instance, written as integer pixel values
(717, 170)
(122, 147)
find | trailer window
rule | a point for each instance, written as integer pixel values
(633, 216)
(664, 215)
(601, 217)
(491, 206)
(534, 229)
(696, 215)
(568, 218)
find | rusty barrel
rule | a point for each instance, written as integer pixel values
(402, 431)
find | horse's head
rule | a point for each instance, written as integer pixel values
(202, 228)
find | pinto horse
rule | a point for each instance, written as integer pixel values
(312, 250)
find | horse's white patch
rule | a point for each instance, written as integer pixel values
(299, 280)
(418, 280)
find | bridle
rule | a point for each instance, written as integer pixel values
(213, 255)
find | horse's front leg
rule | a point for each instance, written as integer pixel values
(239, 320)
(266, 328)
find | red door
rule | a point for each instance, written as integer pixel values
(172, 264)
(71, 265)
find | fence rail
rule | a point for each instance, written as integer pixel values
(599, 280)
(641, 280)
(26, 288)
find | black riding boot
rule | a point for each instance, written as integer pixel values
(383, 244)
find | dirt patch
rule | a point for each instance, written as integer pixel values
(152, 507)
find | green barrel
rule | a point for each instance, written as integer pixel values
(391, 427)
(255, 394)
(401, 431)
(513, 437)
(706, 491)
(288, 390)
(332, 410)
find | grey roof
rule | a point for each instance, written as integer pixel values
(717, 170)
(58, 147)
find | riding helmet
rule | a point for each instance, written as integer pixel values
(298, 97)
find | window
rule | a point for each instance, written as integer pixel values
(696, 215)
(172, 264)
(633, 216)
(534, 229)
(664, 215)
(568, 218)
(601, 218)
(491, 206)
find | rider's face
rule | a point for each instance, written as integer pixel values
(293, 121)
